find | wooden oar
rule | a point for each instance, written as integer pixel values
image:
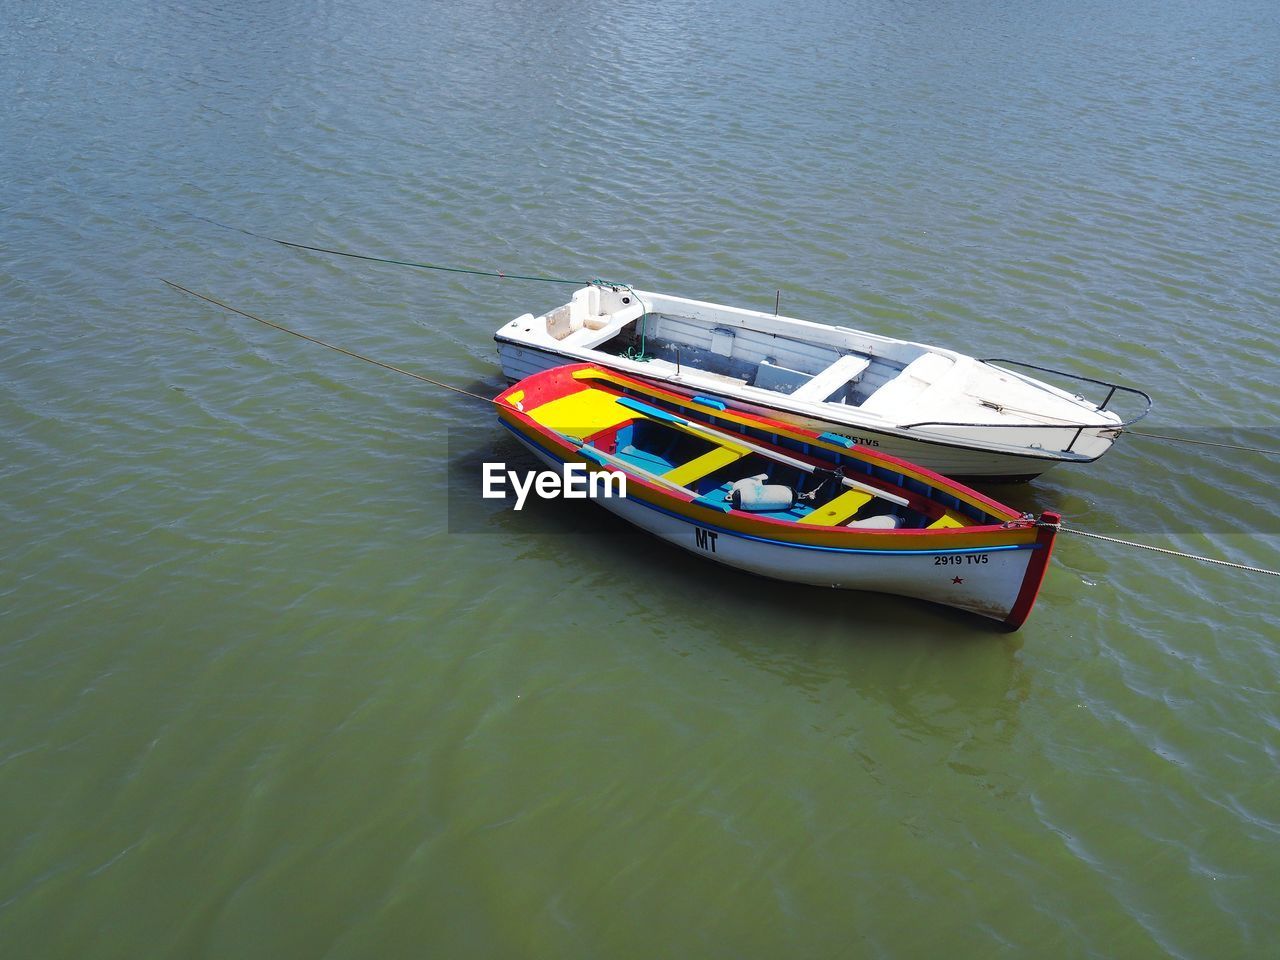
(734, 438)
(625, 465)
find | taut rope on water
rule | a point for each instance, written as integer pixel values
(500, 274)
(1173, 553)
(1204, 443)
(631, 354)
(330, 346)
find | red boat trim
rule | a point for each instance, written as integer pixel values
(1036, 567)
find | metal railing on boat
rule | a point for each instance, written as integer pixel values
(1079, 428)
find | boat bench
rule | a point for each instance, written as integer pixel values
(779, 379)
(838, 510)
(699, 467)
(582, 414)
(848, 367)
(896, 396)
(643, 459)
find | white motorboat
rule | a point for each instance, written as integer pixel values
(951, 413)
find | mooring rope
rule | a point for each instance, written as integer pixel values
(631, 353)
(1204, 443)
(1146, 546)
(337, 349)
(500, 274)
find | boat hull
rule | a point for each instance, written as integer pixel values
(992, 568)
(984, 580)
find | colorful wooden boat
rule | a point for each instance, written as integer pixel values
(776, 500)
(949, 412)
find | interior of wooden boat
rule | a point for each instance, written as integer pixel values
(704, 458)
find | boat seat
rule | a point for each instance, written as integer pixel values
(709, 462)
(838, 510)
(848, 367)
(779, 379)
(895, 397)
(643, 459)
(582, 413)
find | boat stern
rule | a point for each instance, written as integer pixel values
(1047, 531)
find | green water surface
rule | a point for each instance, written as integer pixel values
(274, 683)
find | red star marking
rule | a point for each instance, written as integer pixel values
(957, 579)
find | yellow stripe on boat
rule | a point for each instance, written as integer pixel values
(838, 510)
(582, 413)
(947, 520)
(699, 467)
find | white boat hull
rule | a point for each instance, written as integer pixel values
(984, 581)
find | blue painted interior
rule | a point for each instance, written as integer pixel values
(644, 459)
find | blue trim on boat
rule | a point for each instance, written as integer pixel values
(783, 543)
(836, 439)
(708, 402)
(644, 459)
(649, 411)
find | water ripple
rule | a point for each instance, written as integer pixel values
(252, 662)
